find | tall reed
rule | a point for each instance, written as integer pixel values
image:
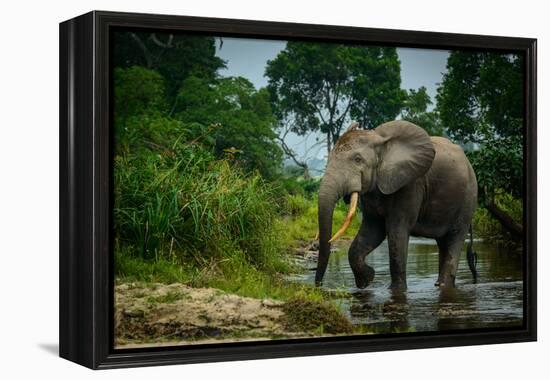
(184, 205)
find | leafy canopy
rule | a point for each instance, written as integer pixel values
(174, 56)
(481, 96)
(243, 117)
(481, 101)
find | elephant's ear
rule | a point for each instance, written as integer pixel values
(407, 154)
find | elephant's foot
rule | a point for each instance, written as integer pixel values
(363, 281)
(398, 281)
(398, 285)
(361, 285)
(445, 285)
(446, 282)
(364, 277)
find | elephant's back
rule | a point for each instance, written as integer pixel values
(451, 163)
(450, 156)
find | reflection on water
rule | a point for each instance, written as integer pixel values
(495, 301)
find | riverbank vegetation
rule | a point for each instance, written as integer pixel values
(199, 195)
(480, 103)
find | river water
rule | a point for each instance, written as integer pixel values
(495, 301)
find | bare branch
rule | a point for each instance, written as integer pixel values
(287, 127)
(142, 46)
(505, 219)
(157, 42)
(290, 153)
(318, 145)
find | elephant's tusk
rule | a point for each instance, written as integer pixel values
(349, 217)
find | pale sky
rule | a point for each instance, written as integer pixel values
(248, 57)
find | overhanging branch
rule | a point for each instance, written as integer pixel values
(146, 53)
(505, 220)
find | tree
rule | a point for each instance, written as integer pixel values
(174, 56)
(244, 118)
(139, 108)
(228, 116)
(481, 96)
(320, 87)
(415, 110)
(138, 91)
(481, 101)
(376, 90)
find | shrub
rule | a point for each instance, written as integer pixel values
(318, 316)
(296, 205)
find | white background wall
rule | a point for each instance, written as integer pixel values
(29, 187)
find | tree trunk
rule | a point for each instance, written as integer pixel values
(306, 172)
(505, 220)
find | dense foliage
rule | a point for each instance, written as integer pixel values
(184, 202)
(228, 116)
(242, 118)
(192, 155)
(481, 96)
(174, 56)
(480, 102)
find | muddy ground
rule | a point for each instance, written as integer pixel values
(159, 314)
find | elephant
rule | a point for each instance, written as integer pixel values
(407, 184)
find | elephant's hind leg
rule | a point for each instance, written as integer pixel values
(371, 234)
(450, 248)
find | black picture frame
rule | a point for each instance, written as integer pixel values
(86, 267)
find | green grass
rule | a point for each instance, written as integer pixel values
(132, 268)
(232, 269)
(230, 276)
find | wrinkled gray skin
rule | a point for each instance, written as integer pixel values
(409, 184)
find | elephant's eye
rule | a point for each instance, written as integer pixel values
(357, 159)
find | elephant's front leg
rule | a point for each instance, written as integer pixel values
(371, 234)
(398, 243)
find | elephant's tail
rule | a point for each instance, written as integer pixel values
(471, 255)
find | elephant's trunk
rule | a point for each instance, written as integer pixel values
(328, 196)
